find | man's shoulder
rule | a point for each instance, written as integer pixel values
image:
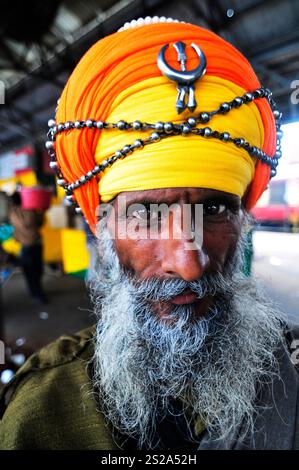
(51, 359)
(50, 399)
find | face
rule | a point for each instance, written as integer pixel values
(156, 343)
(168, 259)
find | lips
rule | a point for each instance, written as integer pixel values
(187, 297)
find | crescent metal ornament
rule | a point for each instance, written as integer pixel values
(185, 79)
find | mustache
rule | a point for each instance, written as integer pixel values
(157, 289)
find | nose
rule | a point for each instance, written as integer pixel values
(177, 261)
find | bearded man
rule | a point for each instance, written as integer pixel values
(187, 353)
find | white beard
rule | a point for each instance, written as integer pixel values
(214, 365)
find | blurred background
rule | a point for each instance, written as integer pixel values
(40, 44)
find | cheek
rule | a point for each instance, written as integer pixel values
(220, 245)
(138, 256)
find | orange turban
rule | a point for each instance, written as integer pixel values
(118, 74)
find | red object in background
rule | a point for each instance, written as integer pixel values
(36, 198)
(271, 213)
(278, 214)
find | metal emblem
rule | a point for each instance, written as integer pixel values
(185, 79)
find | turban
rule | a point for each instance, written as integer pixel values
(118, 79)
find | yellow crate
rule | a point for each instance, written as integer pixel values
(75, 255)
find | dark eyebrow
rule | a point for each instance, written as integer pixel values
(229, 198)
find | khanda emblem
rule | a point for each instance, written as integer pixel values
(185, 79)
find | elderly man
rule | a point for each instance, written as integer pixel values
(164, 139)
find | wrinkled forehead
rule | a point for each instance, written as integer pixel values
(174, 195)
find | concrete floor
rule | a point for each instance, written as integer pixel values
(68, 310)
(276, 265)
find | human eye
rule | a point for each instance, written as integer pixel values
(214, 208)
(140, 214)
(146, 214)
(220, 208)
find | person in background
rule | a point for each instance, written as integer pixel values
(27, 224)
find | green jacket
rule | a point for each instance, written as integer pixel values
(50, 399)
(49, 404)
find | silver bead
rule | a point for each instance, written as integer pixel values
(155, 136)
(77, 124)
(60, 127)
(53, 165)
(104, 164)
(225, 136)
(159, 126)
(168, 127)
(49, 144)
(95, 170)
(204, 117)
(100, 124)
(138, 143)
(207, 131)
(83, 179)
(238, 101)
(127, 149)
(249, 96)
(278, 154)
(273, 173)
(137, 125)
(51, 123)
(89, 174)
(118, 154)
(70, 198)
(277, 114)
(61, 182)
(68, 125)
(121, 125)
(78, 210)
(268, 92)
(186, 129)
(224, 107)
(192, 122)
(89, 123)
(279, 134)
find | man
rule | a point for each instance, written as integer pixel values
(27, 224)
(187, 353)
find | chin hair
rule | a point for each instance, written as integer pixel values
(214, 366)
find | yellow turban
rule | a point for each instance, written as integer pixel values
(118, 79)
(179, 161)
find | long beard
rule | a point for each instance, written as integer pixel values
(213, 364)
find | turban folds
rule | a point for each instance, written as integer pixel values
(118, 79)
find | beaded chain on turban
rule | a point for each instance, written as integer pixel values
(162, 130)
